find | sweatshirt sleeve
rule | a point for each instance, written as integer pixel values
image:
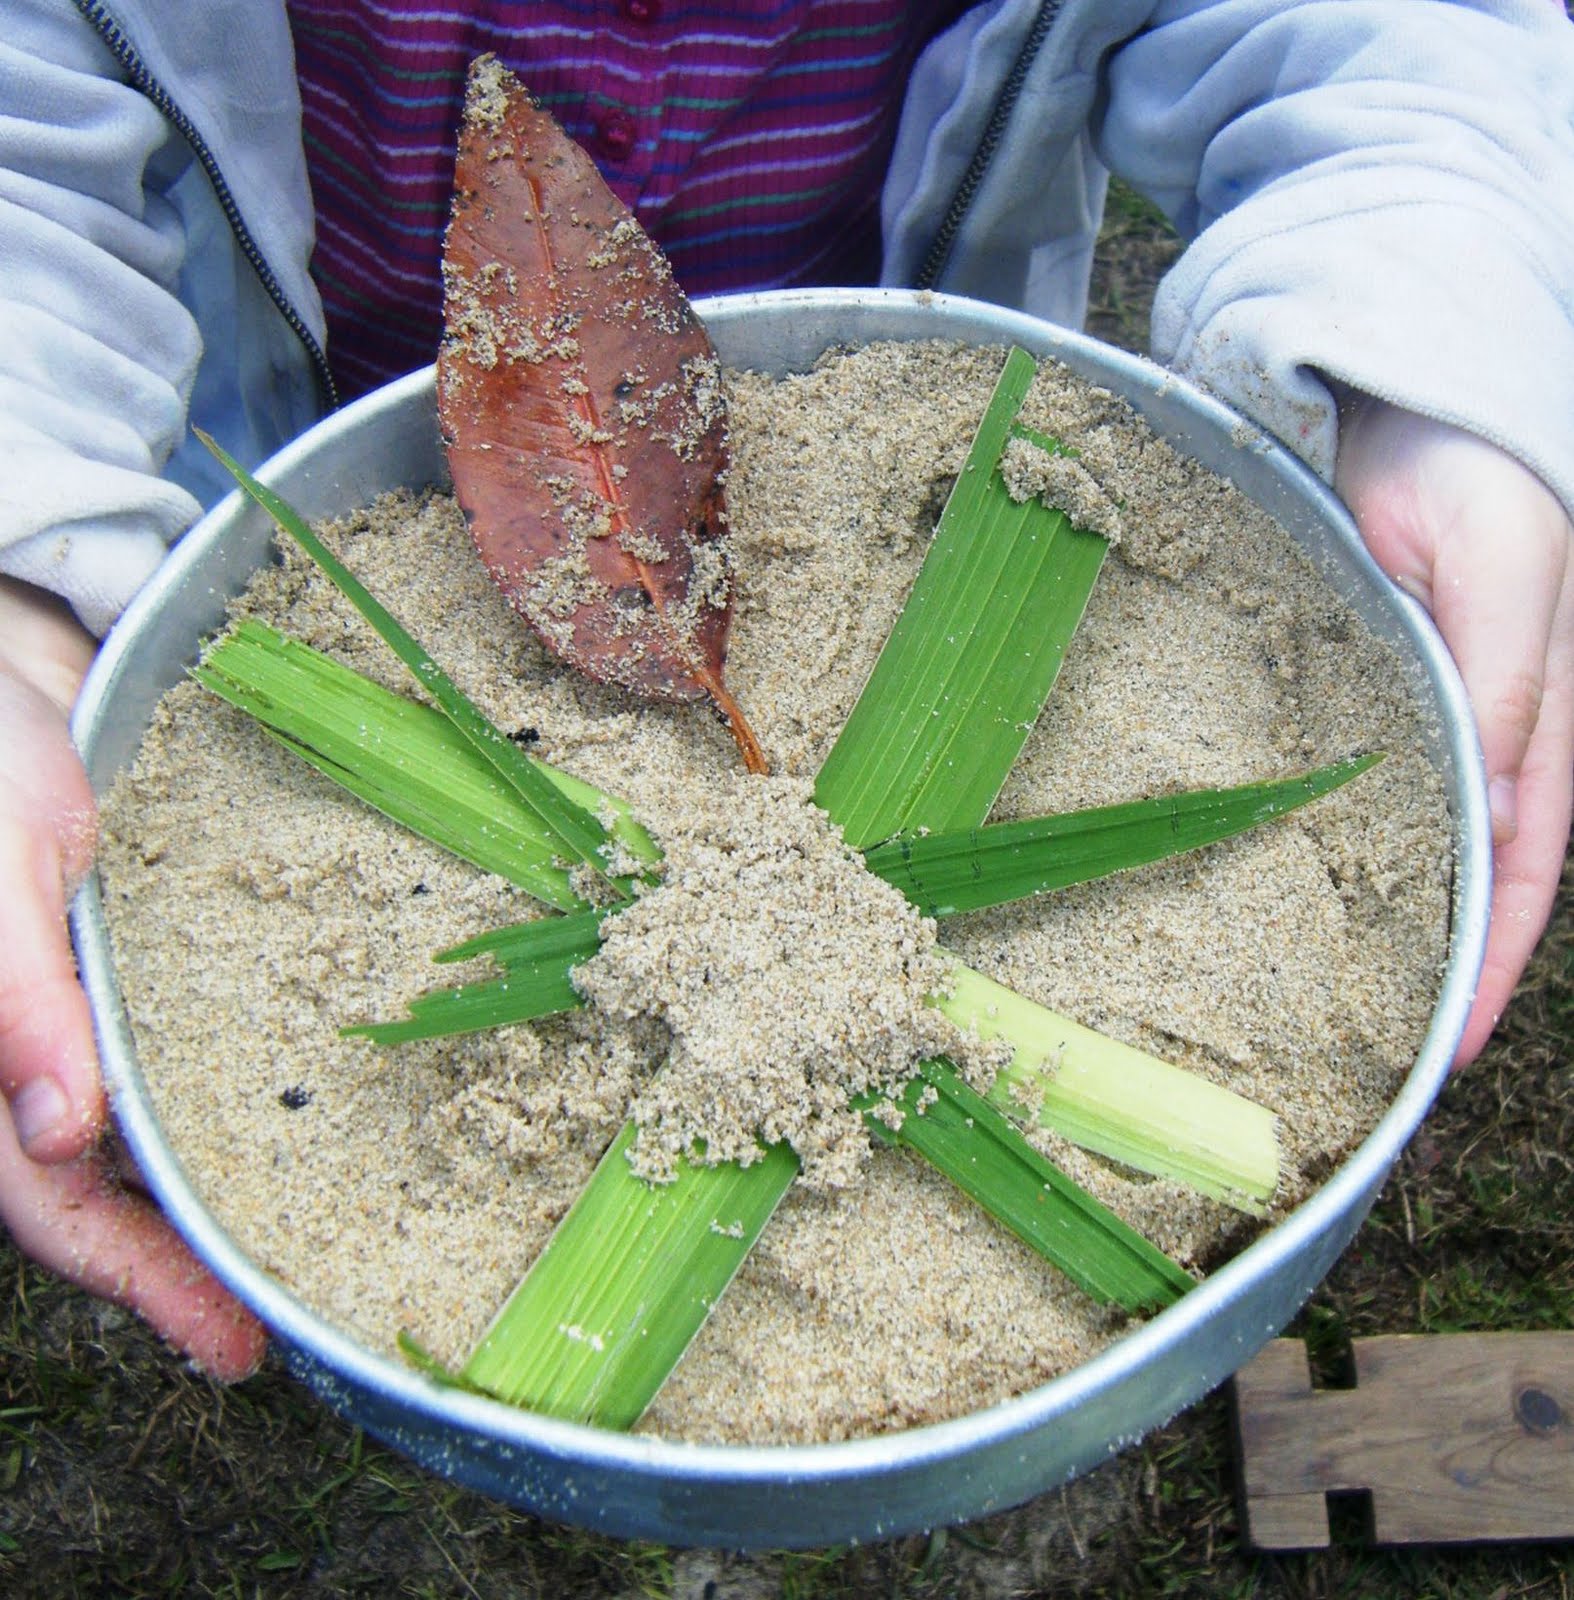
(97, 354)
(1377, 190)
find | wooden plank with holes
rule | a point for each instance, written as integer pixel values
(1457, 1438)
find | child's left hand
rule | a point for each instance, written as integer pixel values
(1485, 546)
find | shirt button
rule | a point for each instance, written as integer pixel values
(617, 135)
(645, 11)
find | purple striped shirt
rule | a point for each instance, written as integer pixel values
(750, 138)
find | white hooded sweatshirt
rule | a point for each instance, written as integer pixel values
(1380, 191)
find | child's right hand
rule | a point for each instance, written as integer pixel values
(60, 1195)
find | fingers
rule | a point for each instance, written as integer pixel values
(48, 1063)
(1527, 868)
(48, 1060)
(1481, 542)
(1495, 600)
(75, 1219)
(1499, 597)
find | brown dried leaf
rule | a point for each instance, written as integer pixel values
(582, 407)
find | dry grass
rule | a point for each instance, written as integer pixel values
(122, 1474)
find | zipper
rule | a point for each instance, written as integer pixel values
(938, 255)
(98, 17)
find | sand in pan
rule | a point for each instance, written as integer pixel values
(254, 909)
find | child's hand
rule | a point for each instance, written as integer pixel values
(59, 1194)
(1485, 546)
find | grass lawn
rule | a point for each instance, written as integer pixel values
(122, 1474)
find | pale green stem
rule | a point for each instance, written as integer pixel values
(1117, 1100)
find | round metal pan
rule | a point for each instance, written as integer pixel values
(747, 1496)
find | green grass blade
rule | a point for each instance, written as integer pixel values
(1045, 442)
(963, 1136)
(625, 1282)
(630, 841)
(944, 874)
(525, 995)
(545, 942)
(1118, 1101)
(972, 657)
(579, 836)
(538, 959)
(402, 757)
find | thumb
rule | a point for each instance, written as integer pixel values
(48, 1060)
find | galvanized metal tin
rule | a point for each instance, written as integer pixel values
(870, 1488)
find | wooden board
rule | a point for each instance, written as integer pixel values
(1456, 1437)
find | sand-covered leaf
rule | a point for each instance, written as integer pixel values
(582, 406)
